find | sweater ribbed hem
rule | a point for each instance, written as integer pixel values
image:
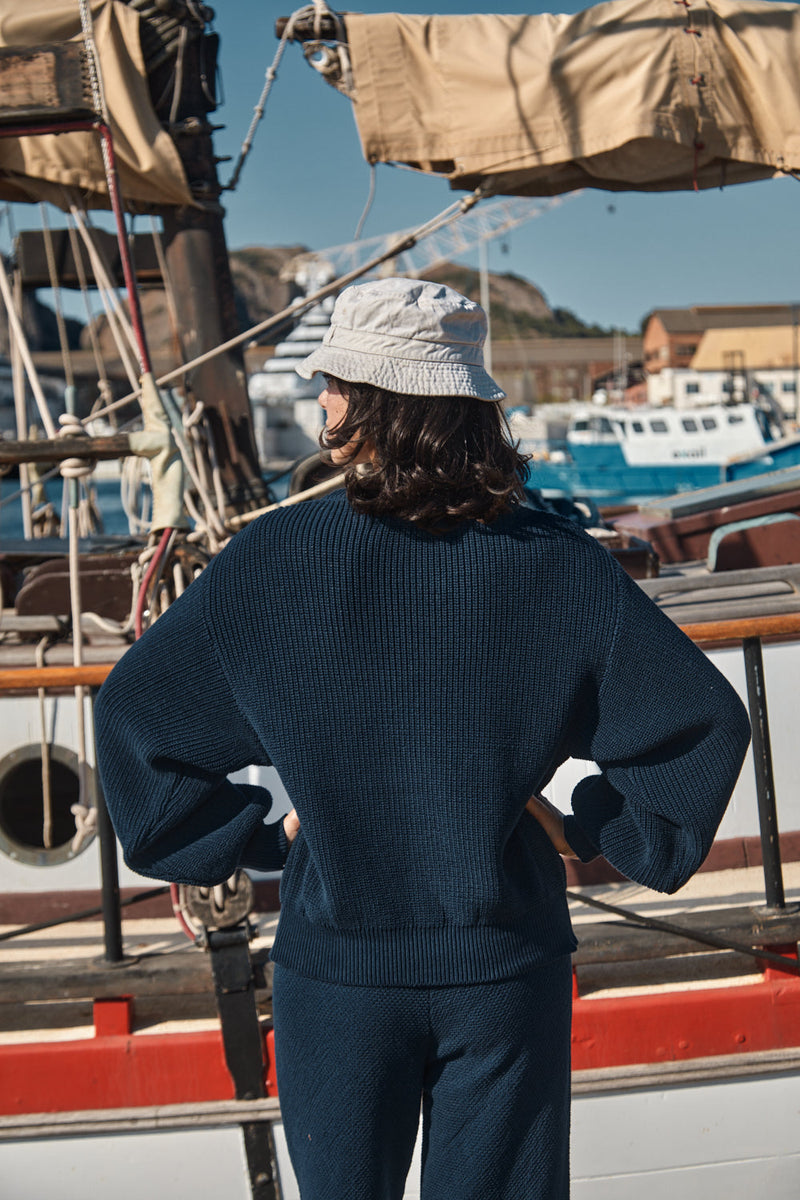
(424, 956)
(578, 841)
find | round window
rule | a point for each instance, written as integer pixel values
(22, 810)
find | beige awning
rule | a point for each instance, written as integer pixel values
(41, 167)
(646, 95)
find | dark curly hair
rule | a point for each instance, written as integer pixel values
(435, 460)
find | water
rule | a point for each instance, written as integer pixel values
(109, 502)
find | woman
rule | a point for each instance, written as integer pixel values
(417, 655)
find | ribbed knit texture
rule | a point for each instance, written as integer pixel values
(489, 1063)
(412, 692)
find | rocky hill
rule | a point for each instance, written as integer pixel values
(518, 307)
(519, 310)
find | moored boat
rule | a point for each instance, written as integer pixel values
(111, 1097)
(612, 454)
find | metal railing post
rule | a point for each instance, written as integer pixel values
(109, 875)
(765, 784)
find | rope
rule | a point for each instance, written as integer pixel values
(44, 752)
(444, 218)
(24, 351)
(8, 934)
(28, 487)
(177, 87)
(26, 477)
(112, 305)
(319, 8)
(370, 197)
(74, 469)
(112, 183)
(705, 939)
(104, 385)
(66, 356)
(160, 549)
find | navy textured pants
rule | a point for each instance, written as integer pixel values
(488, 1063)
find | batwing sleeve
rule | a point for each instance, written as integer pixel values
(669, 735)
(169, 731)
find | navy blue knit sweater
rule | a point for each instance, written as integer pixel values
(413, 691)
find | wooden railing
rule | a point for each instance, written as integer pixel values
(18, 679)
(748, 631)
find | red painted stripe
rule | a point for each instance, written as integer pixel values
(113, 1072)
(667, 1026)
(150, 1069)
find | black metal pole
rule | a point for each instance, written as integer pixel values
(765, 784)
(109, 876)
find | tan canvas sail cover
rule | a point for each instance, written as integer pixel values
(633, 94)
(41, 167)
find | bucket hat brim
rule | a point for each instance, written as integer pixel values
(407, 336)
(403, 376)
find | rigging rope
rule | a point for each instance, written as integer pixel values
(44, 752)
(362, 220)
(705, 939)
(406, 242)
(104, 384)
(66, 356)
(24, 350)
(27, 478)
(118, 324)
(319, 9)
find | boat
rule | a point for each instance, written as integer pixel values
(133, 1058)
(615, 455)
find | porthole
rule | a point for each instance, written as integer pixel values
(22, 835)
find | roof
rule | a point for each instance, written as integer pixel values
(775, 346)
(700, 317)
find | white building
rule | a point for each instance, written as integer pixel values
(733, 365)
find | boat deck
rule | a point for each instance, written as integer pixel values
(49, 978)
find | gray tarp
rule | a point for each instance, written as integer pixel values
(39, 168)
(646, 95)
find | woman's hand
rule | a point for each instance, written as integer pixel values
(552, 822)
(291, 826)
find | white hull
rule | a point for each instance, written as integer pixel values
(20, 724)
(724, 1137)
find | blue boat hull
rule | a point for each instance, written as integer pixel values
(603, 474)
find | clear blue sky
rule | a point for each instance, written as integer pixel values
(307, 182)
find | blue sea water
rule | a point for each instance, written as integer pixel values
(108, 501)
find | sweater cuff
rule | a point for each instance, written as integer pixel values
(578, 841)
(267, 849)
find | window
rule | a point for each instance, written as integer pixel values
(637, 426)
(658, 426)
(788, 385)
(735, 418)
(692, 389)
(709, 423)
(581, 426)
(689, 424)
(727, 386)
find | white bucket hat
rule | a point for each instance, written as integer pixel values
(406, 336)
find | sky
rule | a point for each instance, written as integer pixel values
(609, 257)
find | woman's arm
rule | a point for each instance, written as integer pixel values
(169, 731)
(669, 734)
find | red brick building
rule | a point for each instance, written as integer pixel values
(672, 335)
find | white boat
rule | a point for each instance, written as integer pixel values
(612, 453)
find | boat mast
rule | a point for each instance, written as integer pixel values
(180, 55)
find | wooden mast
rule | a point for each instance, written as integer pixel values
(195, 248)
